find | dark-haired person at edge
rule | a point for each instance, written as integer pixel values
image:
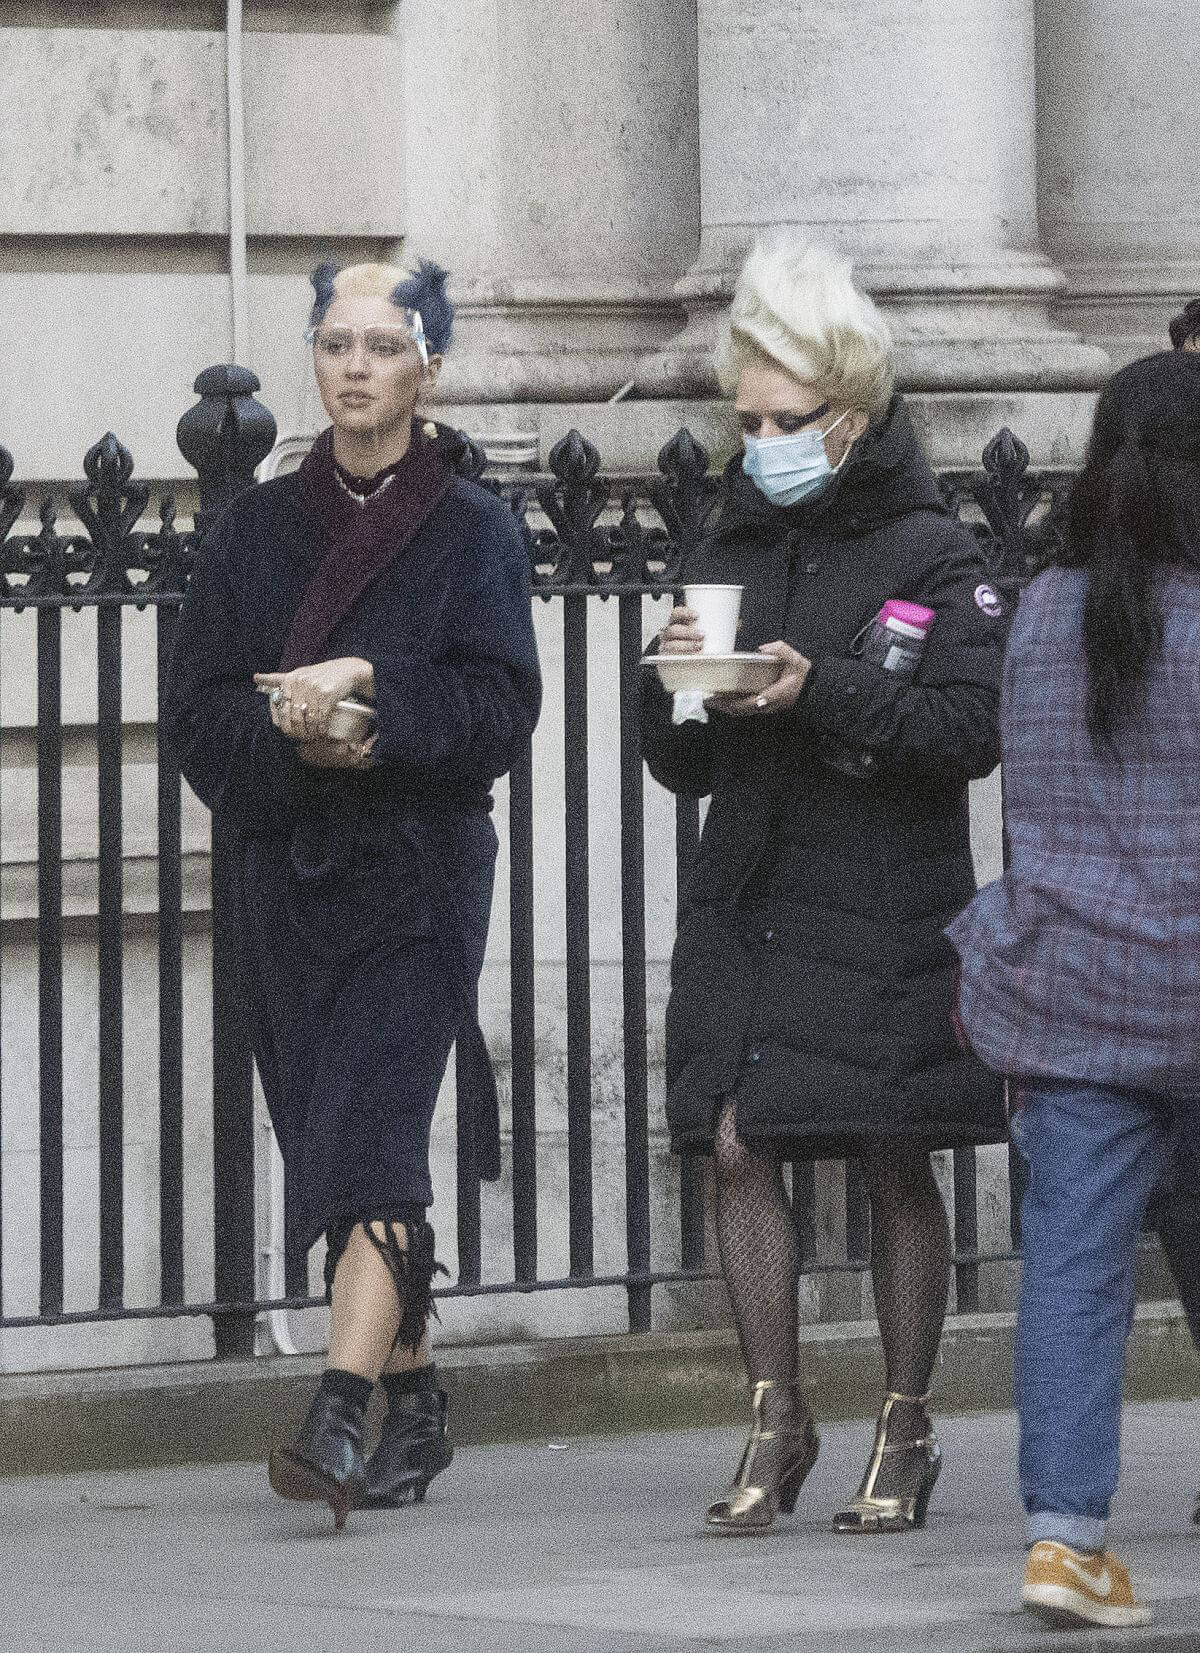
(1081, 966)
(812, 989)
(1185, 328)
(373, 573)
(1176, 1207)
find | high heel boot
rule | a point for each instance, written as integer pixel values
(413, 1448)
(325, 1462)
(868, 1511)
(775, 1464)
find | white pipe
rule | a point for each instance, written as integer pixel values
(281, 1331)
(235, 104)
(275, 1321)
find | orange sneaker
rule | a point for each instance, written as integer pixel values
(1068, 1588)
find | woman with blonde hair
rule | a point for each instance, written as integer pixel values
(373, 578)
(812, 989)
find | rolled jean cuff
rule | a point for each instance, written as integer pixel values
(1077, 1532)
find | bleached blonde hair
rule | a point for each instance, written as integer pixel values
(796, 304)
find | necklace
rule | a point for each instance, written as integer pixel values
(370, 493)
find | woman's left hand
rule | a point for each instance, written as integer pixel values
(336, 754)
(303, 700)
(780, 697)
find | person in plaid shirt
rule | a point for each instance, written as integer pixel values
(1081, 965)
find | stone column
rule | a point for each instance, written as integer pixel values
(552, 166)
(1118, 136)
(903, 135)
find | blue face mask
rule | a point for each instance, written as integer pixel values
(790, 468)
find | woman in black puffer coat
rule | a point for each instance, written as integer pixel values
(812, 991)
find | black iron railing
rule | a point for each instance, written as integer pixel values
(593, 539)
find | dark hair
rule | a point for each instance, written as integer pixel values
(1134, 510)
(323, 278)
(423, 290)
(1186, 325)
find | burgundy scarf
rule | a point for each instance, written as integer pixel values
(363, 541)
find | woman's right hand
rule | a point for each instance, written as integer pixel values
(681, 635)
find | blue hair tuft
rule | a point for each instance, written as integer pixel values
(323, 278)
(425, 290)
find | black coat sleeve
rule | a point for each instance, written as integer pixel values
(679, 756)
(944, 723)
(218, 726)
(461, 707)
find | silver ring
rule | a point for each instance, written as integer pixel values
(276, 696)
(761, 702)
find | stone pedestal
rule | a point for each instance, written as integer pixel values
(552, 166)
(1118, 136)
(904, 136)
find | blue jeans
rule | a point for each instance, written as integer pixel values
(1095, 1157)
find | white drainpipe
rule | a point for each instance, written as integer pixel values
(274, 1323)
(235, 104)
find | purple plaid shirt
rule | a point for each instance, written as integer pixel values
(1083, 961)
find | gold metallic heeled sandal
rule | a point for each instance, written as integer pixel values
(750, 1506)
(868, 1512)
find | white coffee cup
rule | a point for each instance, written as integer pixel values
(716, 608)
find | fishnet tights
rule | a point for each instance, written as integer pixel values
(910, 1265)
(760, 1255)
(910, 1271)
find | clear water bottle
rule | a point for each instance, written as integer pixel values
(893, 641)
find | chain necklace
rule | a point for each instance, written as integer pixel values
(371, 493)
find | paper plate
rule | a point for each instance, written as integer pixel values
(715, 673)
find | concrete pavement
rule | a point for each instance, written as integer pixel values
(207, 1411)
(585, 1546)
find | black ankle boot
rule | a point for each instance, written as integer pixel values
(325, 1462)
(413, 1448)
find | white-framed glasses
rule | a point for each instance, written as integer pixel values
(382, 341)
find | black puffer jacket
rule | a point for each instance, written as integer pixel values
(810, 977)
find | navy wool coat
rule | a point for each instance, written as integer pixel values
(810, 978)
(365, 895)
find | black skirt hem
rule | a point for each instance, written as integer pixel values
(362, 1207)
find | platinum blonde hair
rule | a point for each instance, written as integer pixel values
(797, 305)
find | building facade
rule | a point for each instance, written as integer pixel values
(1012, 178)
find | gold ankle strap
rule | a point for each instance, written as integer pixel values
(913, 1400)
